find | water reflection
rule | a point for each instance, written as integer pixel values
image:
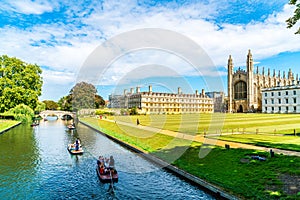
(35, 164)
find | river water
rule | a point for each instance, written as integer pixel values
(35, 164)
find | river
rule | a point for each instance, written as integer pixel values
(35, 164)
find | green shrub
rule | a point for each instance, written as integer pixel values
(22, 113)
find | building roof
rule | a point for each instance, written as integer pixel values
(288, 87)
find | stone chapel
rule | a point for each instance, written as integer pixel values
(244, 86)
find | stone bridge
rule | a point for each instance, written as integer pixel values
(60, 114)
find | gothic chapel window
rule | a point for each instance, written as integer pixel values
(240, 90)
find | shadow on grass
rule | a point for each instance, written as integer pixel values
(224, 167)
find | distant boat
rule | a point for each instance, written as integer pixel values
(72, 150)
(35, 124)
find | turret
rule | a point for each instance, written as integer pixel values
(249, 61)
(229, 82)
(250, 92)
(290, 74)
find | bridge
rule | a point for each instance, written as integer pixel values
(60, 114)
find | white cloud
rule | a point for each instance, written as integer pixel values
(30, 7)
(58, 77)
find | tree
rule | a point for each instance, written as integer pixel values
(50, 105)
(40, 107)
(65, 103)
(20, 83)
(22, 113)
(99, 101)
(133, 111)
(83, 96)
(296, 17)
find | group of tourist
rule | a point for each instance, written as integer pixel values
(76, 144)
(106, 164)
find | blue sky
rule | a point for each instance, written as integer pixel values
(60, 35)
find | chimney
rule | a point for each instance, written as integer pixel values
(179, 90)
(131, 90)
(150, 88)
(125, 91)
(196, 92)
(203, 94)
(138, 90)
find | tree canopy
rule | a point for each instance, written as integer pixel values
(296, 17)
(83, 95)
(50, 105)
(65, 103)
(20, 83)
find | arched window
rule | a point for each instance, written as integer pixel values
(240, 90)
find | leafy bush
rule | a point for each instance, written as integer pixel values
(103, 112)
(22, 113)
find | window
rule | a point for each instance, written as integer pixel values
(287, 108)
(266, 94)
(240, 90)
(266, 109)
(279, 101)
(272, 101)
(295, 108)
(279, 93)
(272, 93)
(295, 101)
(294, 92)
(279, 108)
(286, 100)
(272, 109)
(286, 92)
(266, 102)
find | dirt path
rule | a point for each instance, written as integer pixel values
(206, 140)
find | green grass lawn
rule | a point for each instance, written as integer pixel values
(233, 169)
(252, 179)
(4, 124)
(274, 130)
(263, 123)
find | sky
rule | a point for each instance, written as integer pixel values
(119, 45)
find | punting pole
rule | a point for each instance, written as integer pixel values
(111, 182)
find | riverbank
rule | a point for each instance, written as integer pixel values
(6, 125)
(235, 171)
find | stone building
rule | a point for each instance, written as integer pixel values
(218, 99)
(245, 86)
(163, 103)
(281, 99)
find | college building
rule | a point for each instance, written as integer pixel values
(245, 87)
(163, 103)
(281, 99)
